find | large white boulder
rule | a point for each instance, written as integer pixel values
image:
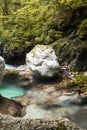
(2, 66)
(42, 61)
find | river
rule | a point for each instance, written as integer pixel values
(49, 103)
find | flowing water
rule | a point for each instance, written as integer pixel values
(11, 67)
(45, 105)
(67, 106)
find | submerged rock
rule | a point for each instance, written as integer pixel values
(43, 61)
(2, 66)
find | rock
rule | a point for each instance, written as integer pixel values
(9, 123)
(2, 66)
(81, 61)
(10, 107)
(85, 73)
(25, 78)
(10, 76)
(42, 61)
(23, 70)
(76, 56)
(64, 72)
(13, 55)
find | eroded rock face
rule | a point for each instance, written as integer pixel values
(2, 66)
(10, 123)
(42, 61)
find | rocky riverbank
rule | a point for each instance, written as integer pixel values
(54, 76)
(47, 94)
(9, 123)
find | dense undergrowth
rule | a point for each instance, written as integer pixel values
(25, 23)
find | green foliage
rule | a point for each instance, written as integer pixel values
(61, 126)
(33, 22)
(70, 2)
(82, 29)
(81, 80)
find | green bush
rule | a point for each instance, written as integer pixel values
(81, 80)
(37, 21)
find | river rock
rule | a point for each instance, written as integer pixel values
(43, 61)
(10, 123)
(10, 107)
(2, 66)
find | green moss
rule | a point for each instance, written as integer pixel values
(26, 23)
(81, 80)
(61, 126)
(82, 29)
(14, 72)
(28, 20)
(65, 50)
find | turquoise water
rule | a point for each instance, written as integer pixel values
(11, 91)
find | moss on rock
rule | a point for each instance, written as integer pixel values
(82, 29)
(9, 123)
(28, 23)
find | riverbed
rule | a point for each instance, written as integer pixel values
(47, 102)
